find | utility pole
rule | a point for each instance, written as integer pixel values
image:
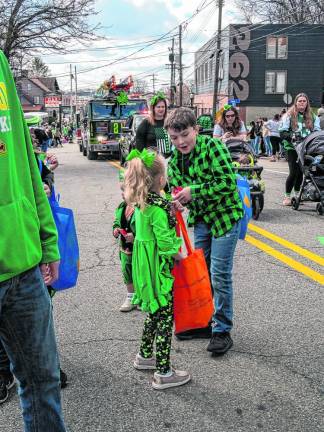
(171, 58)
(71, 102)
(220, 4)
(76, 93)
(153, 79)
(180, 65)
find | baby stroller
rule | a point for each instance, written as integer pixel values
(244, 163)
(311, 161)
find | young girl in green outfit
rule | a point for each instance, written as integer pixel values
(156, 246)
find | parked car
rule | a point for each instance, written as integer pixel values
(127, 140)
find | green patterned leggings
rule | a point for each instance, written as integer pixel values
(158, 325)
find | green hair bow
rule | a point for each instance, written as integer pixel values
(147, 157)
(159, 96)
(227, 107)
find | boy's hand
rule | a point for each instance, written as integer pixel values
(116, 232)
(183, 196)
(50, 272)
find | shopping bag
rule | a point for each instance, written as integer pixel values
(67, 243)
(244, 192)
(193, 303)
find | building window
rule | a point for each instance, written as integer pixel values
(36, 100)
(277, 47)
(28, 86)
(275, 82)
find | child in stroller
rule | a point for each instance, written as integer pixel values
(244, 164)
(311, 161)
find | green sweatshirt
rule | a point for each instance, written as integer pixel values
(28, 234)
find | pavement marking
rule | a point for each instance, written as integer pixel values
(275, 171)
(290, 262)
(287, 244)
(115, 164)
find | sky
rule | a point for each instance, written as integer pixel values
(146, 26)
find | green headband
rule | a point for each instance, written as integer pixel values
(159, 96)
(227, 107)
(146, 157)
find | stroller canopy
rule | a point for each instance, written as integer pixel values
(312, 145)
(237, 147)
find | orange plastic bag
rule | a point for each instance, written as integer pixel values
(193, 303)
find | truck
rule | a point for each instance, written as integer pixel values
(105, 116)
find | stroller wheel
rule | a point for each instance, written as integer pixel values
(320, 209)
(295, 203)
(256, 209)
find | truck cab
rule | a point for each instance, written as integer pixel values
(103, 123)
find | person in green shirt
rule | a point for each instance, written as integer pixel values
(29, 260)
(298, 122)
(202, 167)
(156, 246)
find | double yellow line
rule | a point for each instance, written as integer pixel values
(290, 262)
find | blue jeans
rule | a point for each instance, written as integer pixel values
(219, 253)
(27, 334)
(257, 142)
(268, 146)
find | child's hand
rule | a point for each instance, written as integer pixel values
(116, 232)
(176, 206)
(129, 237)
(179, 256)
(47, 190)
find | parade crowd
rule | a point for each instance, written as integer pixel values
(173, 167)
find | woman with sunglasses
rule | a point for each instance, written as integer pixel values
(230, 125)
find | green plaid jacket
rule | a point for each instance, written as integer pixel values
(215, 198)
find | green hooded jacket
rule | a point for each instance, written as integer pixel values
(28, 234)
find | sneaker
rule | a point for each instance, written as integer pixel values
(273, 159)
(63, 379)
(6, 383)
(286, 201)
(200, 333)
(142, 363)
(220, 343)
(178, 378)
(127, 306)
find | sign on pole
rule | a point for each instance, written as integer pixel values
(52, 101)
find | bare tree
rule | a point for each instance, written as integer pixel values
(283, 11)
(28, 26)
(140, 86)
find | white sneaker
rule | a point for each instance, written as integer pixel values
(142, 363)
(178, 378)
(127, 306)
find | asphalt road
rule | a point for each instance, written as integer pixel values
(272, 379)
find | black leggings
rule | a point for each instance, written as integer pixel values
(275, 142)
(295, 177)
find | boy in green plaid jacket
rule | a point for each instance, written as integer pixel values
(202, 166)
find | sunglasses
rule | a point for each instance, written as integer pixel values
(230, 115)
